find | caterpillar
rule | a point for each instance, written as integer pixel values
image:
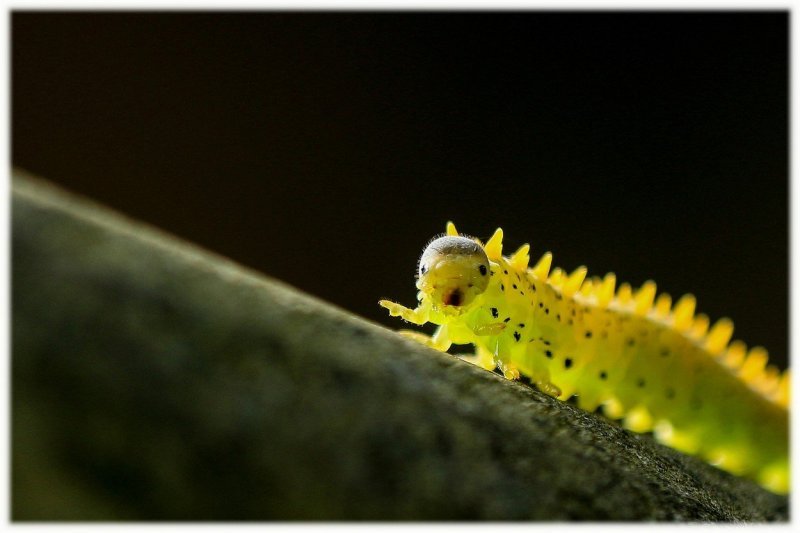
(655, 366)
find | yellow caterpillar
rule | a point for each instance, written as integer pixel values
(656, 366)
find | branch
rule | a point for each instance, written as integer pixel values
(153, 380)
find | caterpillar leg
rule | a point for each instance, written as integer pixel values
(502, 360)
(548, 388)
(542, 382)
(482, 358)
(440, 340)
(416, 316)
(509, 370)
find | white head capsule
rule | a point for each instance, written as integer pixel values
(452, 272)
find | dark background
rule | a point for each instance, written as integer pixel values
(325, 149)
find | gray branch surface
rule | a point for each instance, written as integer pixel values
(153, 380)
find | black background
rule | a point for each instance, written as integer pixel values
(325, 149)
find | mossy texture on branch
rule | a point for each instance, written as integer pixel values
(153, 380)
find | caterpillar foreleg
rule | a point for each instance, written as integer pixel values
(417, 316)
(417, 336)
(440, 340)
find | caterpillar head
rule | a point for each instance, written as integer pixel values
(453, 270)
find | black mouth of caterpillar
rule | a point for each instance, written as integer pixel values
(454, 297)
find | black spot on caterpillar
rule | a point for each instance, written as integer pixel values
(654, 365)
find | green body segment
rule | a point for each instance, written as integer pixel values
(642, 363)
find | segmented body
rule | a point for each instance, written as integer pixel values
(653, 365)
